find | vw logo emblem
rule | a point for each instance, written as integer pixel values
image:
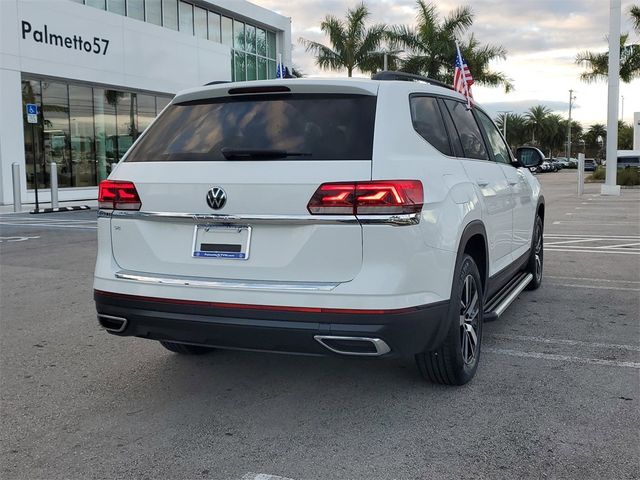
(216, 198)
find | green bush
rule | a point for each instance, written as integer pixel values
(626, 176)
(599, 174)
(629, 176)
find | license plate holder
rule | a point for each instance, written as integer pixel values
(229, 242)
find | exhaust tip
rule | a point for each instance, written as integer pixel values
(111, 323)
(363, 346)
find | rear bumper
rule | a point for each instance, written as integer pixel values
(406, 331)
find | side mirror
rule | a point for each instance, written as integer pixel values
(529, 157)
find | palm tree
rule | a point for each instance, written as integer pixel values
(597, 63)
(517, 130)
(351, 42)
(536, 119)
(432, 50)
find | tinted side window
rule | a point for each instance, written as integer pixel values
(427, 121)
(497, 145)
(453, 133)
(468, 130)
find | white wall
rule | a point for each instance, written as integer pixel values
(140, 56)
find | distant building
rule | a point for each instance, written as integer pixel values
(99, 71)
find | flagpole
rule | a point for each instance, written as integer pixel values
(464, 77)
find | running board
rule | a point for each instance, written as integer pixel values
(505, 296)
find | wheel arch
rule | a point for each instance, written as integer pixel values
(473, 242)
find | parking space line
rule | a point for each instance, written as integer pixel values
(49, 225)
(592, 279)
(262, 476)
(595, 287)
(587, 250)
(561, 358)
(562, 341)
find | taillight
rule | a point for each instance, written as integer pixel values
(118, 195)
(383, 197)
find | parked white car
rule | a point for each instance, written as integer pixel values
(357, 217)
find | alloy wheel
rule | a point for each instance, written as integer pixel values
(469, 320)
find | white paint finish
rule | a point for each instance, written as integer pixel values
(563, 341)
(610, 187)
(561, 358)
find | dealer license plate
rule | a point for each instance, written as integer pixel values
(222, 241)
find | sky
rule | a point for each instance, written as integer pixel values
(542, 38)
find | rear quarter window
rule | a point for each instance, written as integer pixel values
(428, 122)
(317, 126)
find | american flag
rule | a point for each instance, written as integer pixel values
(462, 79)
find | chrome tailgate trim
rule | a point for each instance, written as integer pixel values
(203, 282)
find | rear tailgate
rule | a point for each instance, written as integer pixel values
(304, 139)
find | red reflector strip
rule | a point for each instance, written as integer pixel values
(269, 308)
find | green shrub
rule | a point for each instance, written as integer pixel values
(599, 174)
(629, 176)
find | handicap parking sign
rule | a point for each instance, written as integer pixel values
(32, 109)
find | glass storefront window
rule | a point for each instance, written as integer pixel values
(226, 27)
(127, 121)
(85, 130)
(186, 18)
(200, 22)
(250, 39)
(214, 27)
(261, 42)
(96, 3)
(153, 11)
(262, 68)
(116, 6)
(271, 69)
(81, 134)
(170, 14)
(55, 117)
(146, 111)
(251, 67)
(106, 138)
(135, 9)
(238, 35)
(239, 67)
(271, 45)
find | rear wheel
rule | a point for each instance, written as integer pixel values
(455, 362)
(185, 349)
(536, 260)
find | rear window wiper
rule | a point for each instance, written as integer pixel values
(259, 153)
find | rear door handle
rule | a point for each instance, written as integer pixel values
(482, 182)
(513, 183)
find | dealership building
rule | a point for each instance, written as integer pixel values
(99, 71)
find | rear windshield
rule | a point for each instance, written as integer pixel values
(306, 127)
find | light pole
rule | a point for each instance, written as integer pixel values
(622, 108)
(505, 116)
(571, 99)
(610, 186)
(385, 54)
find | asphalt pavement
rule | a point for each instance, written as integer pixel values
(557, 393)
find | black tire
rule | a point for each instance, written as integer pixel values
(536, 258)
(185, 349)
(456, 360)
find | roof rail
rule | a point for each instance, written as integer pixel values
(217, 82)
(407, 77)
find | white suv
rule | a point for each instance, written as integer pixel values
(361, 217)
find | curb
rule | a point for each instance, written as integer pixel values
(60, 209)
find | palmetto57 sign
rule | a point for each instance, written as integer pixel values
(95, 45)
